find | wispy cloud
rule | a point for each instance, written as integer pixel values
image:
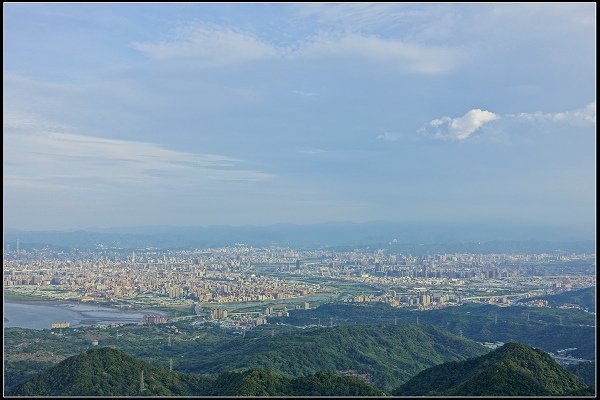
(218, 46)
(368, 16)
(304, 93)
(59, 159)
(398, 54)
(459, 128)
(312, 151)
(585, 115)
(390, 136)
(213, 46)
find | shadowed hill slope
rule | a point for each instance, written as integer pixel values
(110, 372)
(511, 370)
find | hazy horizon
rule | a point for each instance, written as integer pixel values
(130, 115)
(410, 224)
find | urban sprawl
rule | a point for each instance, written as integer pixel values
(241, 286)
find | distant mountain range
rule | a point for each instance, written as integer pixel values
(511, 370)
(413, 237)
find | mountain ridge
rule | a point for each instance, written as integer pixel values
(511, 370)
(110, 372)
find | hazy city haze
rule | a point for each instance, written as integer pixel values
(200, 114)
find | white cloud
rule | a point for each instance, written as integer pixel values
(458, 128)
(582, 116)
(462, 128)
(224, 46)
(59, 159)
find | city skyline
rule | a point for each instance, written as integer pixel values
(257, 114)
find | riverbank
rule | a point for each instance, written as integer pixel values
(41, 315)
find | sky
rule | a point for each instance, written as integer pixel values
(235, 114)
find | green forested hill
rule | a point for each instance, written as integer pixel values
(550, 329)
(586, 371)
(105, 372)
(263, 382)
(388, 354)
(511, 370)
(369, 349)
(110, 372)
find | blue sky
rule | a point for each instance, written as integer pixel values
(200, 114)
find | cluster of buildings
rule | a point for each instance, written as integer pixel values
(246, 274)
(152, 319)
(424, 299)
(210, 276)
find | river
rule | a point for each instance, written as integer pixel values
(41, 314)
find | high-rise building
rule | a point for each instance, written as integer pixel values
(155, 319)
(218, 313)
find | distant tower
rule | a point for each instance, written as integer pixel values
(142, 381)
(331, 322)
(527, 317)
(169, 341)
(171, 364)
(17, 245)
(319, 322)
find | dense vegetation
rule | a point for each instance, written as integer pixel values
(511, 370)
(104, 372)
(550, 329)
(264, 382)
(110, 372)
(586, 371)
(205, 350)
(387, 355)
(19, 371)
